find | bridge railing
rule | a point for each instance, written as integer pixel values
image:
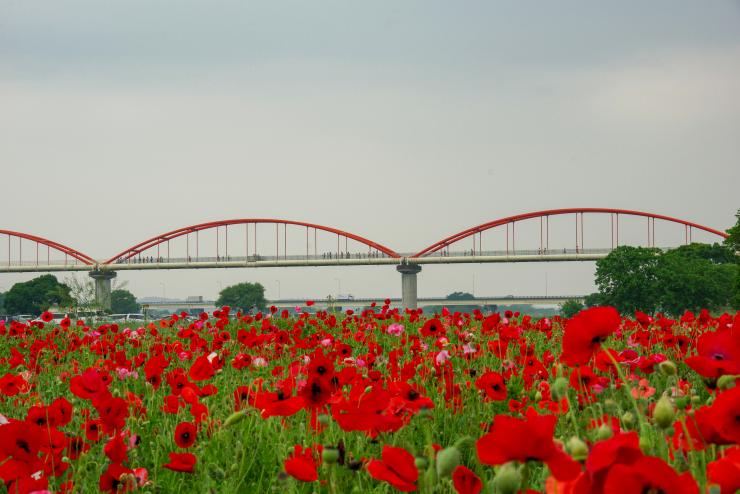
(252, 258)
(41, 263)
(353, 255)
(518, 252)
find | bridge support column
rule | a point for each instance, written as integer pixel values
(103, 287)
(408, 284)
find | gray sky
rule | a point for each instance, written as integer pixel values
(400, 121)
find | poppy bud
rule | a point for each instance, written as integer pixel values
(628, 420)
(538, 396)
(682, 402)
(645, 445)
(235, 418)
(603, 432)
(577, 448)
(667, 367)
(324, 419)
(508, 479)
(447, 460)
(610, 404)
(559, 388)
(330, 454)
(726, 382)
(216, 473)
(128, 481)
(368, 389)
(421, 462)
(464, 442)
(664, 413)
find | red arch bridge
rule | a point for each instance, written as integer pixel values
(260, 242)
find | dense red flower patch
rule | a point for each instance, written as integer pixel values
(381, 399)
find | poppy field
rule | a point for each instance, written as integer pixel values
(379, 401)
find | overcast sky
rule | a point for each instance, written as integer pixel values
(402, 121)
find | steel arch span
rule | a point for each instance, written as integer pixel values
(50, 244)
(165, 237)
(511, 220)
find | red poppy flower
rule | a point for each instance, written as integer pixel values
(433, 327)
(113, 413)
(93, 430)
(725, 414)
(90, 385)
(320, 366)
(28, 484)
(411, 398)
(21, 441)
(181, 462)
(466, 481)
(11, 385)
(493, 386)
(110, 481)
(725, 472)
(526, 439)
(302, 465)
(585, 332)
(397, 468)
(648, 474)
(185, 434)
(47, 316)
(370, 412)
(76, 446)
(621, 448)
(718, 354)
(201, 369)
(60, 412)
(316, 392)
(115, 449)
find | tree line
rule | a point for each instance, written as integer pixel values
(39, 294)
(691, 277)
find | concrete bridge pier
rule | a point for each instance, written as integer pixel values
(408, 284)
(103, 287)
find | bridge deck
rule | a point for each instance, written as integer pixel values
(462, 257)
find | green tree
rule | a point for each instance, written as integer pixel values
(628, 279)
(2, 299)
(715, 253)
(733, 241)
(733, 244)
(594, 300)
(123, 302)
(460, 296)
(244, 296)
(692, 278)
(570, 308)
(37, 295)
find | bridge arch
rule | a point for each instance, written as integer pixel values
(165, 237)
(50, 244)
(511, 220)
